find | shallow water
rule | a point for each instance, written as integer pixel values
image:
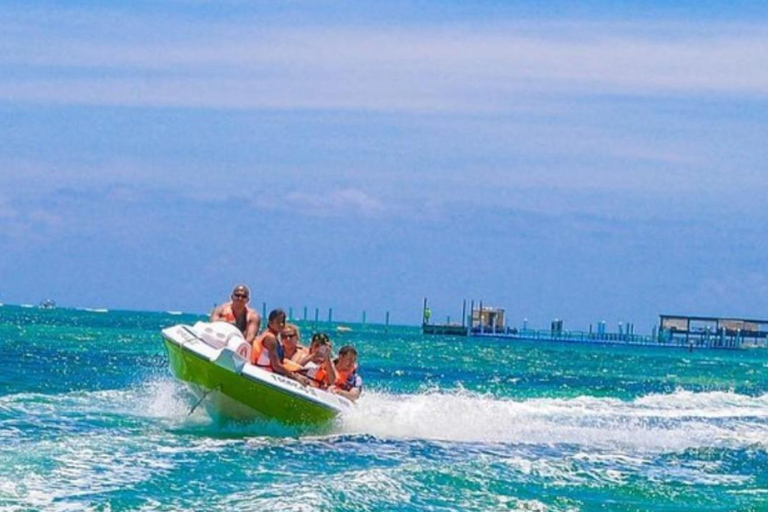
(90, 418)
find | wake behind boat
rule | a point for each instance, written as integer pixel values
(213, 359)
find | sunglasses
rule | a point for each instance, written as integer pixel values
(240, 295)
(289, 335)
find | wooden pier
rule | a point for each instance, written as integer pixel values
(712, 332)
(445, 329)
(673, 331)
(638, 340)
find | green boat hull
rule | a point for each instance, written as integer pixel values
(242, 397)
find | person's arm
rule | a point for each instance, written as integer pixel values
(252, 327)
(330, 372)
(304, 358)
(353, 394)
(270, 343)
(216, 313)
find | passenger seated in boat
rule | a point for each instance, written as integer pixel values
(317, 364)
(291, 338)
(268, 351)
(293, 350)
(318, 339)
(238, 313)
(347, 383)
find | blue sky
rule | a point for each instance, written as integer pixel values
(591, 162)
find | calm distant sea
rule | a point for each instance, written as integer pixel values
(91, 419)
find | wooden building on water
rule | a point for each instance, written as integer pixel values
(482, 319)
(488, 319)
(712, 332)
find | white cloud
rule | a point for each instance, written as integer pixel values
(456, 68)
(344, 201)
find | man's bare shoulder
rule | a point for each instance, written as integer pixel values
(221, 308)
(218, 311)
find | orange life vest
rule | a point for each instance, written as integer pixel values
(241, 322)
(342, 376)
(260, 355)
(319, 377)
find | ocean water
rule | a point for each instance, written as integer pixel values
(91, 419)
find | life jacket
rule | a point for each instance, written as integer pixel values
(241, 322)
(343, 378)
(260, 355)
(318, 376)
(290, 362)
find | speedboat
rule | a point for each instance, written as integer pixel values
(213, 360)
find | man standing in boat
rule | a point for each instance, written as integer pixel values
(238, 313)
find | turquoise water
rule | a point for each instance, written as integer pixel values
(90, 419)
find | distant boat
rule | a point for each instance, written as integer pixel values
(175, 312)
(343, 328)
(47, 304)
(27, 306)
(96, 310)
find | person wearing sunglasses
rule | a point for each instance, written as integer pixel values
(268, 350)
(238, 313)
(291, 338)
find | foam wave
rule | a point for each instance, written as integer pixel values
(163, 403)
(655, 422)
(145, 433)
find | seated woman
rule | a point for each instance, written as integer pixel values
(268, 351)
(291, 338)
